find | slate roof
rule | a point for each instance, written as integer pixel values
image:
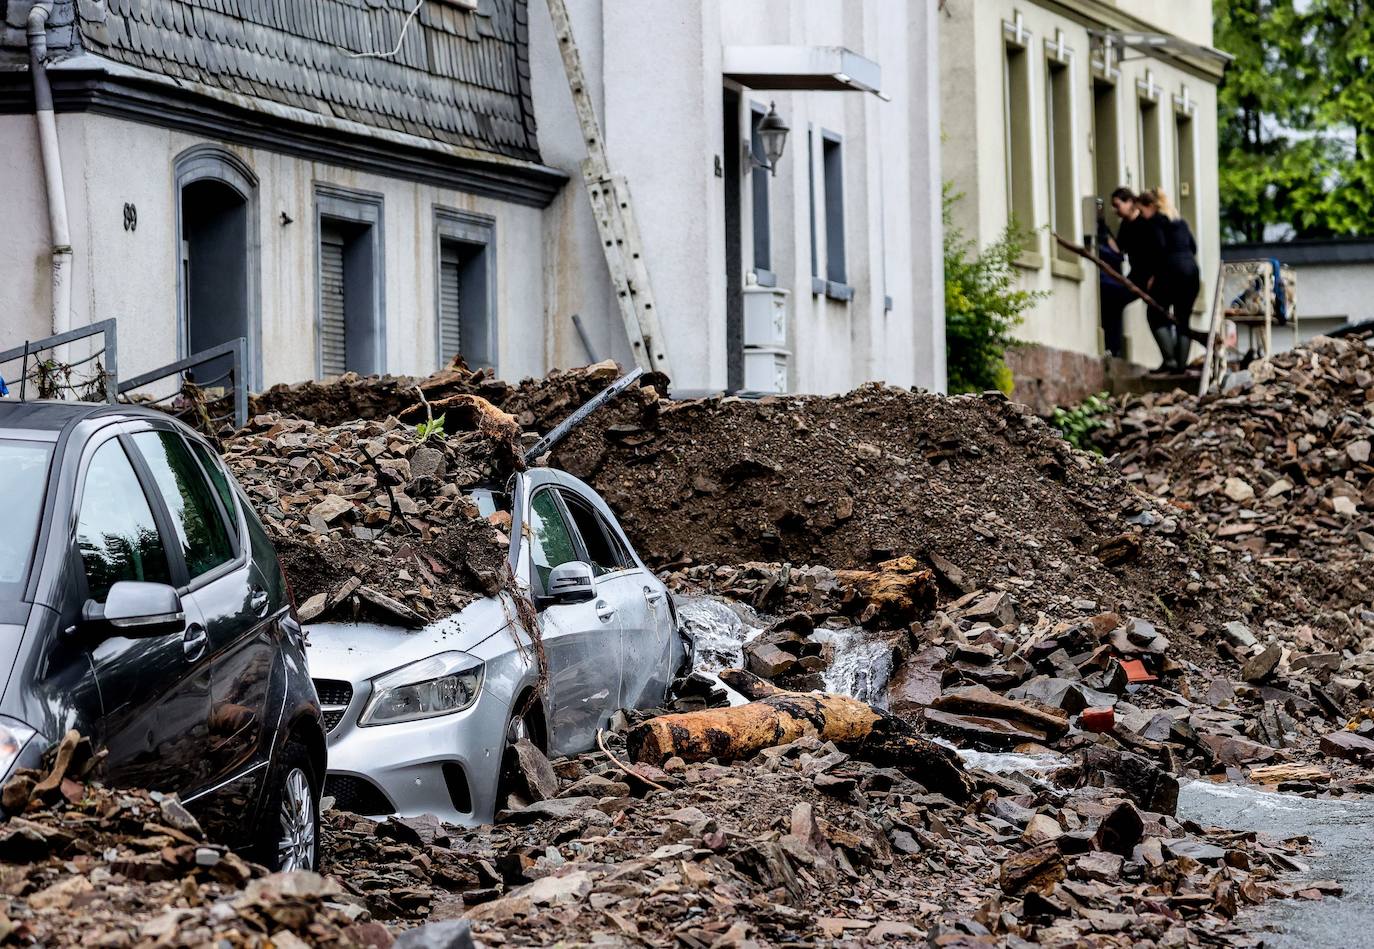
(460, 77)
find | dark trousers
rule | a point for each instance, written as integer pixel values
(1114, 299)
(1181, 287)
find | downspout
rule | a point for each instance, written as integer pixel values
(52, 166)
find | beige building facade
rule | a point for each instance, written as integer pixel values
(1050, 103)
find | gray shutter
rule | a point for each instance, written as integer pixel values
(450, 308)
(449, 304)
(333, 325)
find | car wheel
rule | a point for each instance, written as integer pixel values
(288, 838)
(512, 779)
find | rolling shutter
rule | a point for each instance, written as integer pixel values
(333, 325)
(450, 306)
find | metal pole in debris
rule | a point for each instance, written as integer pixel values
(614, 214)
(561, 430)
(586, 340)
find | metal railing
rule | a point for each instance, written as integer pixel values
(195, 395)
(53, 379)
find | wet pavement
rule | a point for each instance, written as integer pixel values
(1343, 835)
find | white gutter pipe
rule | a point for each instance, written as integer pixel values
(52, 166)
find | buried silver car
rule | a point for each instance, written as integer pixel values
(423, 721)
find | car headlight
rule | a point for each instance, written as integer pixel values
(439, 685)
(14, 735)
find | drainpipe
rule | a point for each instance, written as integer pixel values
(52, 166)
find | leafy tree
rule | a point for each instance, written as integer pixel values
(1296, 113)
(982, 306)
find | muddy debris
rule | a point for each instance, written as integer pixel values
(370, 518)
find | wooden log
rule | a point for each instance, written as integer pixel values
(729, 734)
(890, 596)
(775, 717)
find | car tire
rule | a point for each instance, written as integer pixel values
(288, 835)
(511, 779)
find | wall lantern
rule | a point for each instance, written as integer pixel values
(773, 135)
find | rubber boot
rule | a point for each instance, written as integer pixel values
(1185, 346)
(1168, 346)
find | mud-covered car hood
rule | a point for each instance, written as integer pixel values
(353, 651)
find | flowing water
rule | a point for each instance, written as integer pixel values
(861, 666)
(720, 629)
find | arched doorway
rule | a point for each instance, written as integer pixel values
(217, 279)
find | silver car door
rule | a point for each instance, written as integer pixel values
(639, 598)
(581, 640)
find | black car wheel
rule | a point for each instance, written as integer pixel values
(289, 834)
(525, 725)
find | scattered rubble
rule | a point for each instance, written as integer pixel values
(370, 518)
(1191, 608)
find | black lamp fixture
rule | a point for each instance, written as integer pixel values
(773, 136)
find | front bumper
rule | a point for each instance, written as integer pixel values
(447, 766)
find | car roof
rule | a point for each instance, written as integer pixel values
(54, 415)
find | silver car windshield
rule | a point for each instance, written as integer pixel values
(23, 477)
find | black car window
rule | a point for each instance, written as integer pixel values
(23, 476)
(218, 478)
(199, 527)
(604, 554)
(115, 530)
(551, 544)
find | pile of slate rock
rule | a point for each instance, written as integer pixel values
(372, 518)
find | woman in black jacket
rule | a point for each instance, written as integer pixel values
(1142, 241)
(1181, 280)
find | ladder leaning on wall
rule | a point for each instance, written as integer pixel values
(615, 218)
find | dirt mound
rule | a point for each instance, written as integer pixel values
(979, 483)
(1277, 468)
(537, 404)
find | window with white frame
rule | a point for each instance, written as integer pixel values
(832, 178)
(1016, 81)
(350, 324)
(1060, 141)
(1151, 172)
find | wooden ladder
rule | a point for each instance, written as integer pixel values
(614, 212)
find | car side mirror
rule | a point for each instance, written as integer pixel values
(134, 608)
(571, 582)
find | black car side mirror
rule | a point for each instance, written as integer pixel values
(571, 582)
(134, 608)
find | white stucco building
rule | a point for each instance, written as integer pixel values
(277, 171)
(842, 246)
(1050, 103)
(247, 170)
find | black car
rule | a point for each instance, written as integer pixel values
(142, 604)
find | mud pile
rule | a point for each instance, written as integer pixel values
(537, 404)
(974, 485)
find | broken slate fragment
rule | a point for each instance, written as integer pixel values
(1260, 666)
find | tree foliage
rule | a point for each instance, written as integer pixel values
(982, 305)
(1296, 113)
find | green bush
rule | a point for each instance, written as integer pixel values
(1078, 423)
(982, 306)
